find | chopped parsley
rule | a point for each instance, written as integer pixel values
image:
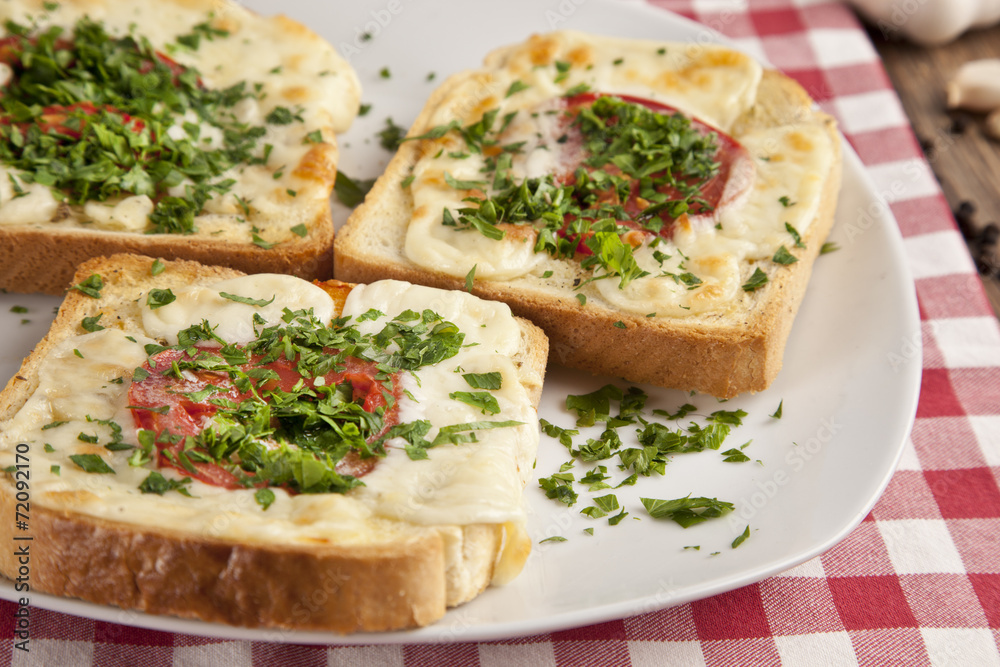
(198, 32)
(615, 407)
(559, 487)
(282, 116)
(259, 303)
(351, 192)
(264, 497)
(484, 402)
(756, 281)
(391, 135)
(91, 286)
(516, 87)
(782, 256)
(158, 484)
(795, 235)
(92, 463)
(157, 298)
(107, 103)
(91, 323)
(686, 511)
(602, 506)
(295, 437)
(625, 143)
(492, 380)
(259, 240)
(734, 456)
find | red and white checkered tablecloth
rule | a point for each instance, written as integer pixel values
(917, 583)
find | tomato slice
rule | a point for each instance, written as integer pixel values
(726, 188)
(162, 403)
(55, 117)
(10, 50)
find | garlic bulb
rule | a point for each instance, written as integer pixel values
(929, 22)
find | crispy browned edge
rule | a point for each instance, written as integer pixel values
(385, 586)
(39, 260)
(721, 360)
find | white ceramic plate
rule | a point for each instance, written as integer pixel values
(849, 385)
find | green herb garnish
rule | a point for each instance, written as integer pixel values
(351, 192)
(260, 303)
(107, 103)
(391, 135)
(91, 286)
(264, 498)
(757, 280)
(795, 235)
(686, 511)
(492, 380)
(92, 463)
(157, 298)
(158, 484)
(91, 323)
(782, 256)
(485, 403)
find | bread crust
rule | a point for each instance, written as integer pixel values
(42, 256)
(341, 589)
(407, 579)
(721, 356)
(39, 260)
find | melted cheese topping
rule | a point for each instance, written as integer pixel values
(712, 83)
(234, 319)
(482, 482)
(296, 69)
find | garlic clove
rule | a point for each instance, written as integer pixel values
(976, 86)
(993, 124)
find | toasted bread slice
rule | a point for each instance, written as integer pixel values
(715, 309)
(198, 144)
(422, 534)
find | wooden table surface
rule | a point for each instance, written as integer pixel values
(965, 160)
